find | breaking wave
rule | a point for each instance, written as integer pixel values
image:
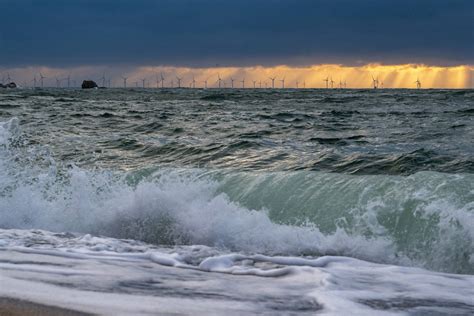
(426, 219)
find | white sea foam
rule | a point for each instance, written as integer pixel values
(110, 276)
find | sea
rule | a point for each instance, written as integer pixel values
(238, 201)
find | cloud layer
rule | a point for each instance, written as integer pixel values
(206, 33)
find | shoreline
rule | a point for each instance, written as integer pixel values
(18, 307)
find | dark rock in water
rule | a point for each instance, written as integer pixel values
(10, 85)
(89, 84)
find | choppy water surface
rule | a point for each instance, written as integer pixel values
(362, 132)
(339, 198)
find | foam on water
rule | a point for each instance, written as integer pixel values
(111, 276)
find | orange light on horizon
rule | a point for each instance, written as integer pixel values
(392, 76)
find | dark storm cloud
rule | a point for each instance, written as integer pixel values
(237, 33)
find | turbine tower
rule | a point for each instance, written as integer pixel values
(205, 83)
(58, 83)
(157, 81)
(194, 83)
(162, 80)
(332, 83)
(243, 83)
(143, 82)
(232, 82)
(375, 82)
(219, 80)
(34, 81)
(283, 83)
(42, 79)
(273, 81)
(124, 81)
(327, 82)
(179, 81)
(103, 79)
(68, 78)
(418, 83)
(254, 83)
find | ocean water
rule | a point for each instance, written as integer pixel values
(133, 201)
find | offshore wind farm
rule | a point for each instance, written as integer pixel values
(247, 157)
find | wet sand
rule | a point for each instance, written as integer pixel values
(16, 307)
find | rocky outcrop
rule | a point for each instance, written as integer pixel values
(10, 85)
(89, 84)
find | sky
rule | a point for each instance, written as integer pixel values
(251, 38)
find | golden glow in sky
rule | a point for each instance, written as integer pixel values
(390, 76)
(393, 76)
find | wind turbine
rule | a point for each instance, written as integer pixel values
(332, 83)
(34, 81)
(58, 83)
(124, 81)
(345, 84)
(143, 82)
(9, 79)
(157, 81)
(42, 79)
(375, 82)
(179, 81)
(304, 84)
(243, 83)
(418, 83)
(327, 82)
(162, 80)
(283, 83)
(205, 83)
(219, 80)
(260, 84)
(68, 78)
(254, 83)
(232, 82)
(194, 83)
(103, 79)
(297, 83)
(273, 81)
